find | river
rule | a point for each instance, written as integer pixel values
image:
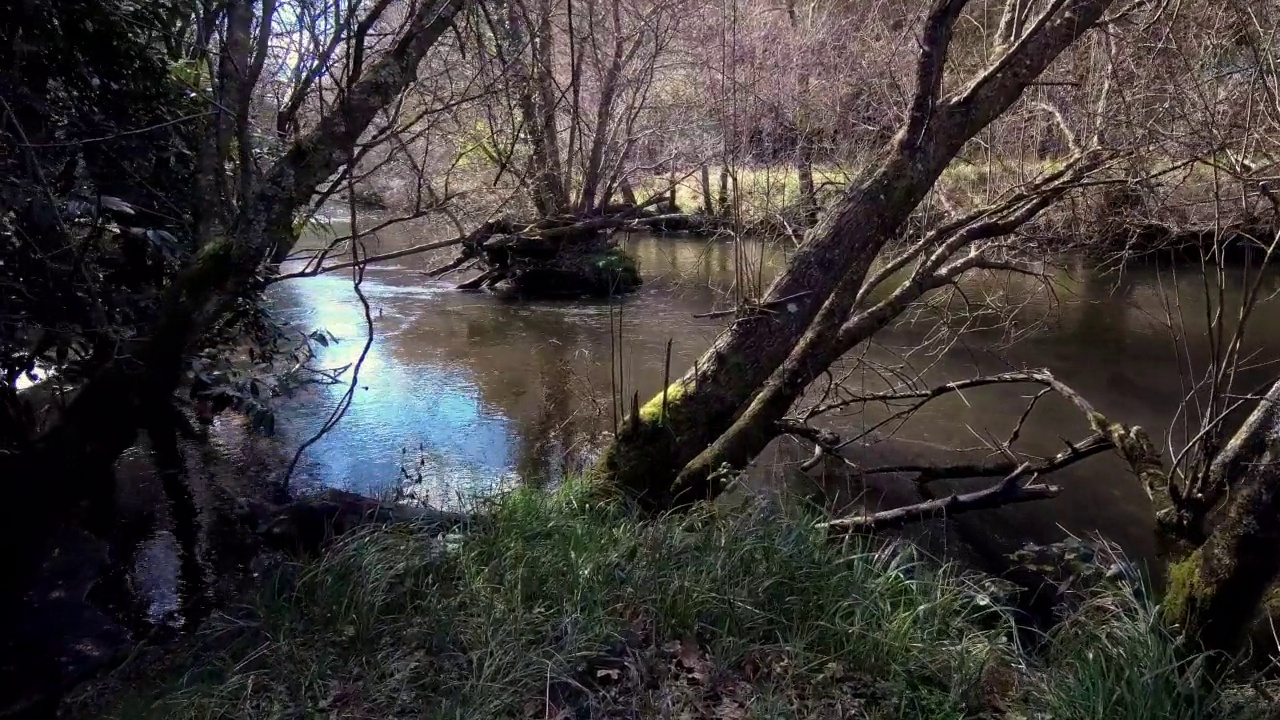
(470, 393)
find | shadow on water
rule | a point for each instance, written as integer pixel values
(475, 392)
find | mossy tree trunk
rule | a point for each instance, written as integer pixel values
(75, 456)
(1215, 593)
(651, 449)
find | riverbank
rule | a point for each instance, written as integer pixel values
(557, 609)
(1155, 208)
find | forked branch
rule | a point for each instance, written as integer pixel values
(1019, 484)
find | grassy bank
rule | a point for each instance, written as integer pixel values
(770, 189)
(1179, 205)
(558, 610)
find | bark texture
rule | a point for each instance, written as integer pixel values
(837, 252)
(1214, 594)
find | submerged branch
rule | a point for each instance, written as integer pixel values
(1131, 443)
(425, 247)
(986, 499)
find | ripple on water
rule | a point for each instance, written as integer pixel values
(155, 576)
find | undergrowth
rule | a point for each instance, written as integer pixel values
(557, 609)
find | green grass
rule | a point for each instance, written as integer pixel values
(764, 190)
(559, 609)
(775, 189)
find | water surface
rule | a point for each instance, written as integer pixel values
(471, 392)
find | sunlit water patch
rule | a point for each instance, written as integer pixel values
(411, 411)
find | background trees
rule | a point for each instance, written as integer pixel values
(162, 157)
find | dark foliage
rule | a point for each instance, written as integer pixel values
(98, 135)
(103, 118)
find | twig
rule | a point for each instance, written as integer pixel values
(1006, 492)
(115, 136)
(748, 305)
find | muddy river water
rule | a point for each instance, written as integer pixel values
(467, 392)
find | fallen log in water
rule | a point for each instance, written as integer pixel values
(558, 257)
(562, 256)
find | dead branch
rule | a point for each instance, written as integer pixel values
(1020, 376)
(414, 250)
(1090, 446)
(824, 442)
(1009, 490)
(748, 306)
(1131, 442)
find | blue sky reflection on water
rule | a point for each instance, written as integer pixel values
(486, 387)
(405, 399)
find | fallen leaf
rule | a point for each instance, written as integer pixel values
(694, 661)
(689, 654)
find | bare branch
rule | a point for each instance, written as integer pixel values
(1008, 491)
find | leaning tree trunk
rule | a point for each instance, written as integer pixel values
(1214, 594)
(673, 428)
(75, 456)
(830, 335)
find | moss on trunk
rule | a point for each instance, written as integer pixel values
(1215, 593)
(646, 453)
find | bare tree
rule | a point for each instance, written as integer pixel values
(577, 75)
(253, 222)
(820, 287)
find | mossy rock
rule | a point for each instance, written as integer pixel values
(616, 270)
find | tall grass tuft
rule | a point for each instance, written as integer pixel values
(560, 609)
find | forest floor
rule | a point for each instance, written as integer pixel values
(558, 609)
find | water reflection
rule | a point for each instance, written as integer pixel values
(491, 391)
(409, 397)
